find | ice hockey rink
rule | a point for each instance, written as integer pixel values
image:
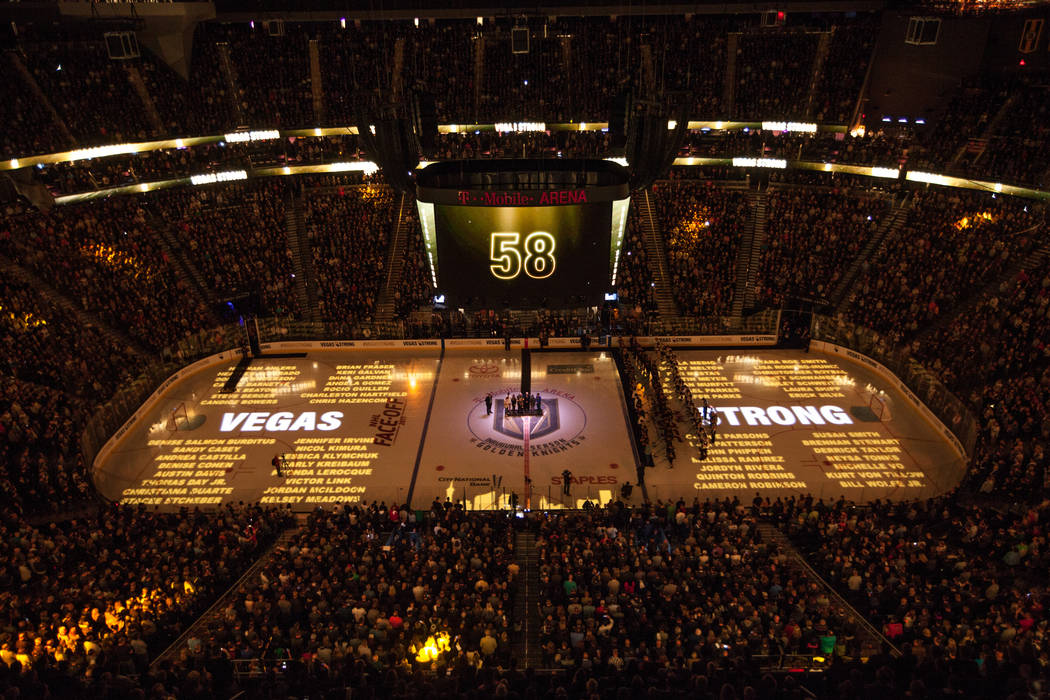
(393, 424)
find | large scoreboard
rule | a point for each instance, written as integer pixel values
(523, 233)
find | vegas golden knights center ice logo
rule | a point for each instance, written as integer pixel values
(559, 429)
(541, 426)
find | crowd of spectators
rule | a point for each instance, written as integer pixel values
(634, 277)
(971, 107)
(1018, 146)
(245, 73)
(89, 602)
(175, 163)
(43, 468)
(106, 256)
(212, 99)
(845, 65)
(55, 349)
(669, 597)
(385, 588)
(234, 235)
(953, 244)
(773, 74)
(684, 51)
(576, 69)
(961, 589)
(349, 230)
(674, 585)
(273, 75)
(811, 238)
(702, 225)
(92, 94)
(356, 63)
(534, 85)
(995, 358)
(30, 126)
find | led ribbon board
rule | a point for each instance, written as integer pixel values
(525, 232)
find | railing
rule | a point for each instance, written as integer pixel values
(923, 383)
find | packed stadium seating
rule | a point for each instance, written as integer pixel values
(703, 226)
(349, 230)
(92, 599)
(637, 598)
(952, 243)
(809, 236)
(954, 584)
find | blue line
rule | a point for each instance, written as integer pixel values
(426, 425)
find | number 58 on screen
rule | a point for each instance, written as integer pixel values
(510, 254)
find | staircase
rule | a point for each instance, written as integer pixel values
(982, 141)
(526, 644)
(729, 87)
(34, 87)
(302, 260)
(85, 318)
(648, 72)
(749, 257)
(479, 73)
(316, 86)
(889, 229)
(818, 71)
(212, 613)
(1028, 262)
(397, 80)
(386, 305)
(135, 78)
(226, 64)
(571, 82)
(868, 638)
(655, 253)
(169, 242)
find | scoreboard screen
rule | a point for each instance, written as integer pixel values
(526, 247)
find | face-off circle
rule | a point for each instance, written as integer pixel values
(562, 422)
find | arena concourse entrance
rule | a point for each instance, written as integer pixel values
(407, 421)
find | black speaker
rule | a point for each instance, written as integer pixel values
(618, 119)
(519, 40)
(121, 45)
(526, 371)
(424, 120)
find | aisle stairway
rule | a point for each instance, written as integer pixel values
(302, 260)
(749, 256)
(213, 613)
(648, 73)
(230, 76)
(316, 84)
(479, 73)
(135, 78)
(84, 317)
(526, 644)
(397, 80)
(729, 86)
(890, 228)
(818, 72)
(655, 252)
(386, 307)
(963, 309)
(34, 87)
(868, 638)
(176, 253)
